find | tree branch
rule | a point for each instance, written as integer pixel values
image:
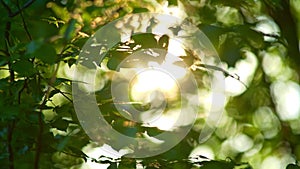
(23, 20)
(26, 5)
(226, 73)
(6, 7)
(11, 125)
(40, 134)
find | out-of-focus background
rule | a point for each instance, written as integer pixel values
(258, 45)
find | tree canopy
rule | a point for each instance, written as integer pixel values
(45, 74)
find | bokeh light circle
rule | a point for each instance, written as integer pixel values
(146, 86)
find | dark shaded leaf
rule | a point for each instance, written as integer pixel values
(71, 61)
(127, 163)
(217, 165)
(53, 92)
(24, 68)
(292, 166)
(3, 60)
(172, 2)
(254, 38)
(60, 124)
(140, 10)
(46, 53)
(230, 51)
(113, 166)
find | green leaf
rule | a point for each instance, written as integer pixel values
(207, 14)
(78, 152)
(71, 61)
(48, 140)
(140, 10)
(230, 51)
(213, 32)
(146, 40)
(63, 141)
(233, 3)
(113, 166)
(59, 11)
(36, 90)
(254, 38)
(217, 165)
(33, 46)
(172, 3)
(163, 42)
(3, 60)
(292, 166)
(53, 92)
(60, 124)
(127, 163)
(70, 29)
(46, 53)
(9, 112)
(24, 68)
(115, 60)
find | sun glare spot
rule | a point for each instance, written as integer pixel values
(167, 121)
(175, 48)
(151, 80)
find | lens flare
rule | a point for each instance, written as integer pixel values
(147, 83)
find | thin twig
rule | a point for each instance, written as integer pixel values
(21, 90)
(226, 73)
(62, 93)
(6, 7)
(26, 5)
(23, 20)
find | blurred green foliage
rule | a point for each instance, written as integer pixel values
(38, 124)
